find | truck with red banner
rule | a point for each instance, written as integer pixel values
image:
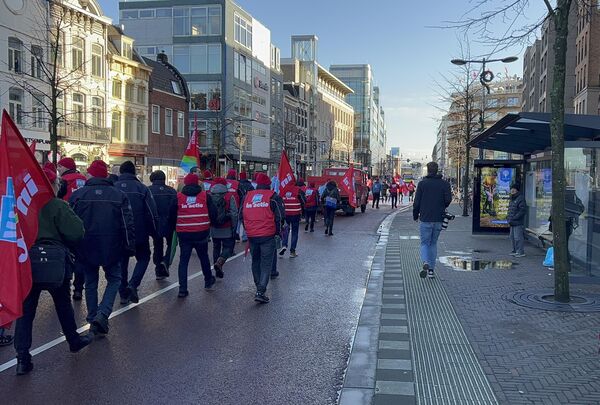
(337, 174)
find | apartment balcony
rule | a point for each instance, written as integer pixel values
(83, 133)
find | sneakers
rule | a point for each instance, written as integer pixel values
(430, 273)
(80, 343)
(99, 326)
(293, 254)
(219, 267)
(520, 255)
(262, 298)
(282, 250)
(512, 254)
(424, 271)
(77, 295)
(133, 295)
(274, 275)
(208, 284)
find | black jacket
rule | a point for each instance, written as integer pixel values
(165, 198)
(517, 209)
(432, 198)
(244, 187)
(194, 190)
(331, 190)
(142, 206)
(278, 210)
(108, 222)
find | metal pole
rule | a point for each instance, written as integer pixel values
(483, 106)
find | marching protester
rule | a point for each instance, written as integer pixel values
(244, 187)
(109, 235)
(223, 228)
(194, 213)
(311, 206)
(165, 198)
(293, 201)
(59, 230)
(376, 193)
(384, 191)
(262, 217)
(143, 208)
(411, 191)
(208, 180)
(432, 198)
(404, 191)
(394, 188)
(330, 198)
(71, 179)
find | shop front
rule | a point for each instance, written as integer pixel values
(120, 153)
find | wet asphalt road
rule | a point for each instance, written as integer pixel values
(217, 347)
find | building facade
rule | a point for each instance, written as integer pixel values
(587, 60)
(296, 126)
(225, 56)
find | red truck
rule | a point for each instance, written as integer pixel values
(337, 174)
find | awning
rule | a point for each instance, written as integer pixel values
(528, 132)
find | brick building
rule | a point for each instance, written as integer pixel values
(168, 107)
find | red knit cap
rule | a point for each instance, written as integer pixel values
(190, 179)
(231, 174)
(51, 174)
(67, 163)
(263, 180)
(207, 174)
(98, 169)
(243, 176)
(220, 180)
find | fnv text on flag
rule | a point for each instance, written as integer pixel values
(347, 184)
(285, 174)
(24, 190)
(191, 157)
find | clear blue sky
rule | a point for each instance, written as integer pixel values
(391, 35)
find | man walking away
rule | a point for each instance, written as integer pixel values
(432, 199)
(384, 191)
(330, 198)
(293, 201)
(262, 217)
(194, 214)
(376, 193)
(411, 191)
(394, 188)
(208, 180)
(310, 207)
(244, 187)
(109, 234)
(517, 209)
(222, 230)
(165, 198)
(145, 220)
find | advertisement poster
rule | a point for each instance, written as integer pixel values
(495, 196)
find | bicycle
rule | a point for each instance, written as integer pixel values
(469, 202)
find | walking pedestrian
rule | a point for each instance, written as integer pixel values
(432, 198)
(61, 228)
(109, 234)
(404, 192)
(194, 213)
(244, 187)
(384, 191)
(517, 209)
(310, 207)
(331, 196)
(411, 191)
(223, 228)
(262, 216)
(394, 189)
(376, 193)
(208, 180)
(165, 198)
(145, 216)
(293, 201)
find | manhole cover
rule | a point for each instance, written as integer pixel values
(459, 263)
(544, 299)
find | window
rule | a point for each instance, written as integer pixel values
(214, 20)
(115, 130)
(97, 112)
(512, 101)
(60, 104)
(181, 59)
(127, 51)
(205, 96)
(79, 108)
(243, 31)
(37, 58)
(214, 58)
(492, 102)
(199, 21)
(168, 121)
(140, 129)
(141, 95)
(128, 128)
(128, 91)
(15, 54)
(129, 14)
(77, 54)
(37, 110)
(156, 119)
(97, 60)
(243, 103)
(242, 67)
(164, 13)
(58, 49)
(181, 21)
(176, 87)
(116, 89)
(180, 124)
(146, 13)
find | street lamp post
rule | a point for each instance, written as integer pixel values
(240, 138)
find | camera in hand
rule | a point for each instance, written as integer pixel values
(447, 218)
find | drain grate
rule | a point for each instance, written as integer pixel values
(544, 300)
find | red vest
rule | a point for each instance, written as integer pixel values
(312, 196)
(292, 202)
(394, 188)
(259, 219)
(192, 213)
(74, 181)
(233, 187)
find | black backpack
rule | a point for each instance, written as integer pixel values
(221, 208)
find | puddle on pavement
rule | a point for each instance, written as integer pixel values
(468, 264)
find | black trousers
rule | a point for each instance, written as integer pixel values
(64, 309)
(394, 200)
(376, 200)
(310, 218)
(159, 255)
(223, 247)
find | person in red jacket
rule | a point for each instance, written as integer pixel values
(233, 186)
(194, 213)
(394, 189)
(310, 206)
(208, 180)
(293, 201)
(71, 179)
(411, 191)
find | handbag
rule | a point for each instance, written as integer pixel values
(331, 202)
(48, 265)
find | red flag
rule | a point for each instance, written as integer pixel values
(33, 146)
(348, 185)
(285, 174)
(24, 190)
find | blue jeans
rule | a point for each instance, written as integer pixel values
(112, 274)
(294, 223)
(430, 232)
(262, 251)
(142, 257)
(186, 247)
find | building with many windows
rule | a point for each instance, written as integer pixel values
(587, 59)
(225, 56)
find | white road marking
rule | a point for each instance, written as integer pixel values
(118, 312)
